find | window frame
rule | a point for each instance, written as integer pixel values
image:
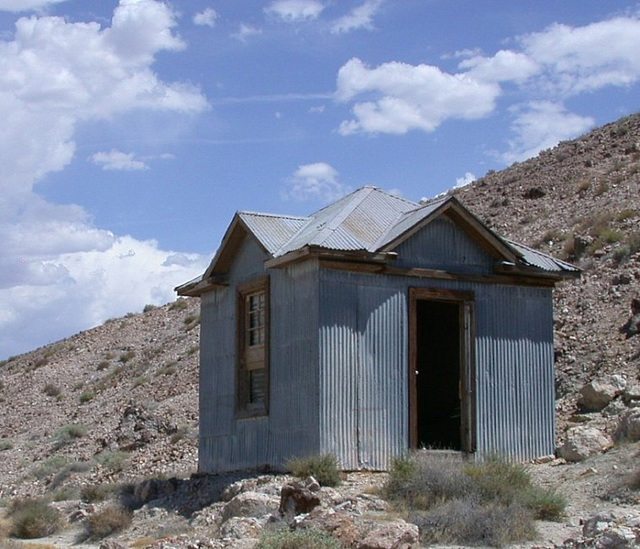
(249, 357)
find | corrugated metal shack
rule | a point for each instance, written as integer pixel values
(373, 326)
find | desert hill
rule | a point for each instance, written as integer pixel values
(120, 402)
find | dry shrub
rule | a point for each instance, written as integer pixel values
(33, 518)
(106, 522)
(490, 502)
(92, 493)
(323, 468)
(297, 539)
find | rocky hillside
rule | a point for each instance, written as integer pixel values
(120, 402)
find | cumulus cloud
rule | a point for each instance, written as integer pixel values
(548, 66)
(579, 59)
(465, 180)
(294, 11)
(17, 6)
(118, 160)
(61, 273)
(412, 97)
(361, 17)
(206, 18)
(540, 125)
(319, 180)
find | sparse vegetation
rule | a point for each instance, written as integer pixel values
(33, 518)
(68, 470)
(69, 433)
(114, 461)
(108, 521)
(149, 307)
(6, 445)
(50, 467)
(140, 380)
(167, 370)
(179, 305)
(51, 390)
(87, 396)
(102, 365)
(127, 356)
(93, 493)
(297, 539)
(491, 502)
(324, 468)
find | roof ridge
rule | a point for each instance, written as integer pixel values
(265, 214)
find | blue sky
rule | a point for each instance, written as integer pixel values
(133, 130)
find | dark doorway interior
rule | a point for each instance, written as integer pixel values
(438, 374)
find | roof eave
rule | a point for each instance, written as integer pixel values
(326, 253)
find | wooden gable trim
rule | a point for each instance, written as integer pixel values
(353, 256)
(515, 279)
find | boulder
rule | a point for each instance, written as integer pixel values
(629, 425)
(339, 525)
(584, 441)
(596, 394)
(296, 499)
(397, 534)
(249, 504)
(241, 528)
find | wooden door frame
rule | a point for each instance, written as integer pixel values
(466, 303)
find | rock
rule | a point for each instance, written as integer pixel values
(249, 504)
(241, 528)
(631, 395)
(341, 526)
(231, 491)
(584, 441)
(312, 484)
(296, 499)
(595, 395)
(112, 544)
(629, 425)
(394, 535)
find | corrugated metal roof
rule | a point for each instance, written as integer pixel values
(542, 261)
(370, 220)
(272, 231)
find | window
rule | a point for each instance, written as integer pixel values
(253, 348)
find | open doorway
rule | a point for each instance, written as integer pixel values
(441, 397)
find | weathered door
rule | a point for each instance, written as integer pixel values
(441, 372)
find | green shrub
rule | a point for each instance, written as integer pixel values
(106, 522)
(5, 445)
(625, 214)
(149, 307)
(87, 396)
(70, 432)
(127, 356)
(93, 493)
(50, 467)
(297, 539)
(114, 461)
(68, 470)
(51, 390)
(33, 518)
(140, 380)
(323, 468)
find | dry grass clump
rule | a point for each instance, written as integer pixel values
(297, 539)
(488, 503)
(108, 521)
(33, 518)
(323, 468)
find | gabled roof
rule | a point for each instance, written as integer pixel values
(366, 225)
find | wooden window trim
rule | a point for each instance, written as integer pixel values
(247, 360)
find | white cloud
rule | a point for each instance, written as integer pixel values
(245, 32)
(465, 180)
(59, 272)
(546, 67)
(361, 17)
(26, 5)
(294, 11)
(579, 59)
(118, 160)
(206, 18)
(540, 125)
(413, 97)
(319, 180)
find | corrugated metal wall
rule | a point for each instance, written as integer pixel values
(442, 245)
(227, 443)
(364, 367)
